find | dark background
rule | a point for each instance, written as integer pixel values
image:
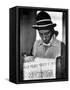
(27, 33)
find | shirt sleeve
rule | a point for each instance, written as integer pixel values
(34, 52)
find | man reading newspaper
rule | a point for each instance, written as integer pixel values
(48, 47)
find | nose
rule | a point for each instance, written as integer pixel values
(44, 37)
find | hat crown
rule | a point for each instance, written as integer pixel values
(43, 21)
(43, 15)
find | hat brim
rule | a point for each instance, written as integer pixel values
(42, 27)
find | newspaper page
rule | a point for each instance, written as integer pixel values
(40, 68)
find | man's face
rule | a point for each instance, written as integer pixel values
(45, 35)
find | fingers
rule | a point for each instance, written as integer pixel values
(28, 58)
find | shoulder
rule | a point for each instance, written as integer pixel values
(38, 42)
(58, 42)
(61, 42)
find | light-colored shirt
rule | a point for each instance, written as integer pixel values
(50, 50)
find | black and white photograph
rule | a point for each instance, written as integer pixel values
(34, 45)
(42, 44)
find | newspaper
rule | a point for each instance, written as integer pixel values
(40, 68)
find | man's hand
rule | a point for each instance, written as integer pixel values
(28, 58)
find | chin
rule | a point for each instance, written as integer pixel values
(46, 42)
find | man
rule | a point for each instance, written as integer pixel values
(48, 46)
